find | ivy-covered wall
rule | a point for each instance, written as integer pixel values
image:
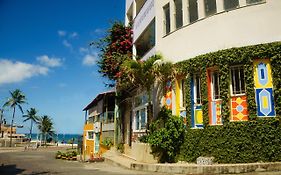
(228, 143)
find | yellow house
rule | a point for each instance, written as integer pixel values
(99, 125)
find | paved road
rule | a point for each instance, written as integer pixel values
(42, 162)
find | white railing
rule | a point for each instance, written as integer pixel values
(144, 17)
(108, 127)
(128, 4)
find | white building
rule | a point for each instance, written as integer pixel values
(183, 29)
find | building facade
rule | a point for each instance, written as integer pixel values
(197, 30)
(99, 124)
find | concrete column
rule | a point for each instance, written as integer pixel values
(220, 6)
(185, 12)
(201, 9)
(242, 3)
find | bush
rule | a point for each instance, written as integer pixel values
(235, 142)
(107, 142)
(166, 135)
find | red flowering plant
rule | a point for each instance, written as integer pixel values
(115, 48)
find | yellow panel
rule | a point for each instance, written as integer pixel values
(199, 116)
(88, 127)
(257, 84)
(265, 102)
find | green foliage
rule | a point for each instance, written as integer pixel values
(115, 48)
(166, 136)
(235, 142)
(107, 142)
(120, 147)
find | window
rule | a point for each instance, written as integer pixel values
(110, 117)
(237, 81)
(90, 135)
(178, 13)
(193, 10)
(140, 119)
(210, 7)
(231, 4)
(146, 41)
(197, 89)
(254, 1)
(167, 20)
(215, 85)
(140, 112)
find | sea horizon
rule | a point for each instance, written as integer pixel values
(60, 137)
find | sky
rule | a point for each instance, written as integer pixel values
(45, 52)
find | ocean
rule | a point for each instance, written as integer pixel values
(61, 138)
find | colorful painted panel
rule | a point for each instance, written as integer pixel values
(196, 110)
(168, 95)
(264, 88)
(239, 110)
(216, 113)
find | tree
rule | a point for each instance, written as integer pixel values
(32, 116)
(115, 48)
(45, 125)
(16, 100)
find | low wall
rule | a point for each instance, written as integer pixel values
(141, 153)
(208, 169)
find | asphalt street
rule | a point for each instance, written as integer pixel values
(37, 162)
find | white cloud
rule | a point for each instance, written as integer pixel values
(66, 44)
(13, 72)
(73, 35)
(89, 60)
(83, 50)
(61, 33)
(99, 31)
(49, 62)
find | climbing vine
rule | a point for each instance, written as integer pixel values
(233, 142)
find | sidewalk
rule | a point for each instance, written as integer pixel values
(119, 159)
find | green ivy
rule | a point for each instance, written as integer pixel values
(234, 142)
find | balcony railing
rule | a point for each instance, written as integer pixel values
(144, 17)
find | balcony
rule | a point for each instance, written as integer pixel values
(143, 18)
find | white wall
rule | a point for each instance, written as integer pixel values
(247, 25)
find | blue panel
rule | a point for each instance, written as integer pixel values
(262, 111)
(214, 113)
(262, 74)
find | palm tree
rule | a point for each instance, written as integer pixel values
(16, 100)
(142, 74)
(32, 116)
(45, 126)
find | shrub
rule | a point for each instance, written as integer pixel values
(166, 136)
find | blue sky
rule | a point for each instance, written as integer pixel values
(44, 51)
